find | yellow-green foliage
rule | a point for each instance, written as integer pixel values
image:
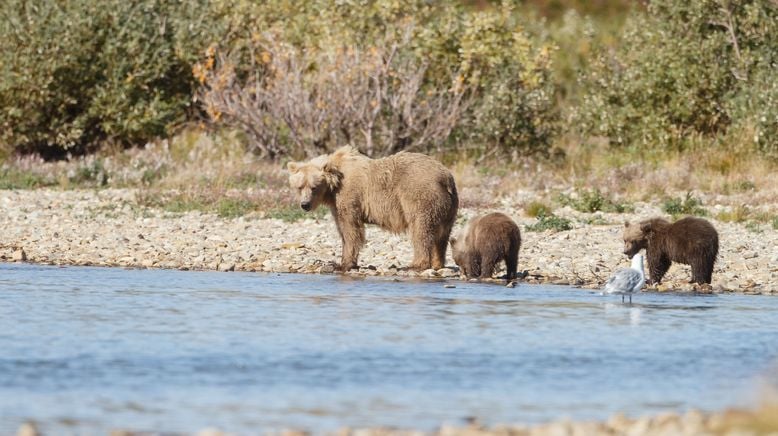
(536, 209)
(78, 72)
(737, 214)
(689, 73)
(292, 59)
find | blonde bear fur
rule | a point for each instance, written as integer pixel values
(405, 192)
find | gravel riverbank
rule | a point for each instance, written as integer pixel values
(109, 228)
(692, 423)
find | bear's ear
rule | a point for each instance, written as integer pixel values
(646, 227)
(332, 176)
(293, 167)
(626, 223)
(452, 241)
(337, 157)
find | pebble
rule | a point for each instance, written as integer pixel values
(28, 429)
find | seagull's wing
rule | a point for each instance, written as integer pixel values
(623, 280)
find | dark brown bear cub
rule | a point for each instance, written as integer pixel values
(484, 243)
(691, 241)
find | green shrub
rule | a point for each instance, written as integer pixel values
(550, 222)
(590, 201)
(688, 205)
(775, 223)
(689, 73)
(78, 72)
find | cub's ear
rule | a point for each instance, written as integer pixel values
(626, 223)
(646, 227)
(452, 241)
(293, 167)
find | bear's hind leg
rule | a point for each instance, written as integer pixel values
(702, 272)
(441, 245)
(511, 264)
(424, 245)
(487, 266)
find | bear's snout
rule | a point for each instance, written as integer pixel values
(306, 205)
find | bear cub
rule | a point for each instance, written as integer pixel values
(691, 241)
(485, 242)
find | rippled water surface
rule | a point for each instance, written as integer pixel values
(84, 350)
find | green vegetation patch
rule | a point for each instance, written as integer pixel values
(590, 201)
(688, 205)
(227, 204)
(550, 222)
(294, 213)
(234, 207)
(16, 179)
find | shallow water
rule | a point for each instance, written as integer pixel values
(84, 350)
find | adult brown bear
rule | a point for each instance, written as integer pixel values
(404, 192)
(691, 241)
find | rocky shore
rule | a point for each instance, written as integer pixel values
(692, 423)
(109, 228)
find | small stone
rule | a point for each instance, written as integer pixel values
(27, 429)
(447, 272)
(429, 273)
(19, 255)
(327, 269)
(449, 286)
(226, 266)
(292, 245)
(210, 432)
(750, 255)
(511, 285)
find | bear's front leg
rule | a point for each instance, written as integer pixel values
(657, 267)
(352, 234)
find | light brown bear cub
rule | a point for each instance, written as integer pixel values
(485, 242)
(691, 241)
(403, 192)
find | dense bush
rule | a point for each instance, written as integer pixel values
(687, 72)
(77, 72)
(300, 102)
(383, 75)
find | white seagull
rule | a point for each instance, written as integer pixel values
(627, 280)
